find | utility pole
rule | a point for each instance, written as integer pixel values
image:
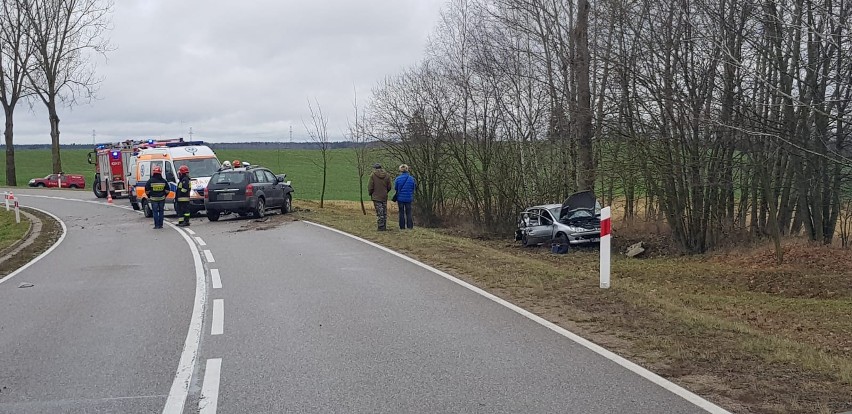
(190, 133)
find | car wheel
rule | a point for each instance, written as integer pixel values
(288, 204)
(260, 209)
(146, 208)
(96, 187)
(562, 239)
(212, 215)
(40, 185)
(74, 186)
(525, 241)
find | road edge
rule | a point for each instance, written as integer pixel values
(46, 252)
(693, 398)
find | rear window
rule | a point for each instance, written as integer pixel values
(229, 178)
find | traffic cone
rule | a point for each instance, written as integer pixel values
(109, 197)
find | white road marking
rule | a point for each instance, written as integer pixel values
(209, 256)
(190, 232)
(217, 280)
(218, 317)
(183, 376)
(650, 376)
(200, 241)
(209, 401)
(46, 252)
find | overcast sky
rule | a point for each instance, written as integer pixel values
(239, 71)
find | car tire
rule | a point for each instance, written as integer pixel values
(96, 187)
(41, 185)
(562, 239)
(212, 215)
(260, 208)
(288, 204)
(74, 186)
(146, 208)
(525, 241)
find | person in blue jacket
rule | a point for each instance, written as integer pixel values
(405, 185)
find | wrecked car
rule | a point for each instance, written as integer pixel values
(574, 222)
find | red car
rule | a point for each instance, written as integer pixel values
(52, 180)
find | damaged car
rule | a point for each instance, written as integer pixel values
(574, 222)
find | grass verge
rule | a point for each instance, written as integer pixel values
(11, 232)
(753, 339)
(50, 232)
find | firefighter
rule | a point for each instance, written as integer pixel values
(182, 196)
(157, 189)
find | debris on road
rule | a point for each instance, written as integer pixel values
(25, 285)
(635, 249)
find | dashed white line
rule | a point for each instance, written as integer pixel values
(218, 317)
(209, 256)
(190, 232)
(200, 241)
(217, 280)
(209, 401)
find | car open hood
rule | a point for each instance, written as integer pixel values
(584, 200)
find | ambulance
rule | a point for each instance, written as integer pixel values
(170, 155)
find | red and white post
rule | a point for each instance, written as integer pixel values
(17, 213)
(606, 246)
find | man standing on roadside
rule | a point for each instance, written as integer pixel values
(157, 189)
(182, 196)
(405, 186)
(378, 188)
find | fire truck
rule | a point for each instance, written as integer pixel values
(112, 166)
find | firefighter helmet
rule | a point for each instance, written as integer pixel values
(183, 169)
(226, 165)
(237, 164)
(156, 170)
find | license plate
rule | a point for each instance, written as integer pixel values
(226, 196)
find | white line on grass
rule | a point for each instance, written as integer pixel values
(218, 317)
(217, 280)
(209, 256)
(650, 376)
(209, 401)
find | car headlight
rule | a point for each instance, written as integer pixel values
(573, 229)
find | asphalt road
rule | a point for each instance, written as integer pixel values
(297, 319)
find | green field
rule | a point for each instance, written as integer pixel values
(10, 231)
(303, 168)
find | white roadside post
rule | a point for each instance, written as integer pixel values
(6, 199)
(17, 212)
(59, 181)
(606, 246)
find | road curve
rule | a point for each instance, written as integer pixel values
(103, 327)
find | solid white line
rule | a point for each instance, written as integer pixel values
(46, 252)
(650, 376)
(217, 280)
(209, 256)
(183, 376)
(209, 401)
(200, 241)
(190, 232)
(218, 317)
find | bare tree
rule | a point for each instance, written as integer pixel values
(15, 53)
(361, 139)
(66, 34)
(318, 133)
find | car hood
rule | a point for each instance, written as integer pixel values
(584, 200)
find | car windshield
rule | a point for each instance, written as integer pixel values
(200, 167)
(229, 177)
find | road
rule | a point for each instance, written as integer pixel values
(240, 317)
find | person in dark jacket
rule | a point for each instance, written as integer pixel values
(157, 189)
(405, 186)
(182, 196)
(378, 188)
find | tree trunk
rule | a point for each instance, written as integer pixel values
(54, 137)
(11, 177)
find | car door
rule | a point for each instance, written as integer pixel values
(539, 227)
(262, 184)
(275, 188)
